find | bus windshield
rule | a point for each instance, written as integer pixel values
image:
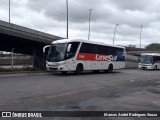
(147, 59)
(62, 51)
(57, 52)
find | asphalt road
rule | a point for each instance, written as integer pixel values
(123, 90)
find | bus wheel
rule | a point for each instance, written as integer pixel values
(79, 69)
(156, 67)
(110, 68)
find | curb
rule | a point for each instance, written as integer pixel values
(21, 72)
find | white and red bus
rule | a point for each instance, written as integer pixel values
(149, 61)
(80, 55)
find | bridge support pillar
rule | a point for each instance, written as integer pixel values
(39, 61)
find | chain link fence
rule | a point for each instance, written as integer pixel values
(7, 61)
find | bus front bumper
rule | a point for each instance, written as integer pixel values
(60, 68)
(145, 66)
(55, 66)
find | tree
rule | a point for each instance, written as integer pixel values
(153, 47)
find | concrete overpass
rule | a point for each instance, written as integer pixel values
(24, 40)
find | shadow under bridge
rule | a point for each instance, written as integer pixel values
(25, 41)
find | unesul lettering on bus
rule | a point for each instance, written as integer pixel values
(106, 57)
(96, 57)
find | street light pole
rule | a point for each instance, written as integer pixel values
(90, 10)
(67, 16)
(9, 11)
(12, 58)
(115, 32)
(141, 26)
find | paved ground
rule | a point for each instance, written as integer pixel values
(123, 90)
(15, 66)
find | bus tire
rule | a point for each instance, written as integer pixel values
(79, 69)
(155, 67)
(110, 68)
(144, 68)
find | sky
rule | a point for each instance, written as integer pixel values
(49, 16)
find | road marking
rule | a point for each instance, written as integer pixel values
(156, 103)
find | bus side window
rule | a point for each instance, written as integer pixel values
(83, 48)
(102, 50)
(156, 58)
(159, 58)
(113, 51)
(88, 48)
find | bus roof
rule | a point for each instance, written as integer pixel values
(85, 41)
(152, 54)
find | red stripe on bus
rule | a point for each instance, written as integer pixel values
(157, 62)
(95, 57)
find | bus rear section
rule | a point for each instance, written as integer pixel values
(101, 57)
(149, 61)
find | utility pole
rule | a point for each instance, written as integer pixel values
(67, 16)
(12, 57)
(90, 11)
(141, 26)
(115, 32)
(9, 11)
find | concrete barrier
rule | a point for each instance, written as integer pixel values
(131, 61)
(16, 61)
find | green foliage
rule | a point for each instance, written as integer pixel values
(153, 47)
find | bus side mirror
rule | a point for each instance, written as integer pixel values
(69, 48)
(45, 50)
